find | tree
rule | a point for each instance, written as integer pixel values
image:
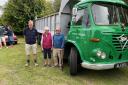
(0, 21)
(48, 9)
(51, 6)
(56, 5)
(18, 12)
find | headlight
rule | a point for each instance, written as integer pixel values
(101, 54)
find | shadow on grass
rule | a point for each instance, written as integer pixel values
(114, 73)
(100, 72)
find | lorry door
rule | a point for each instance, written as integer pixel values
(82, 26)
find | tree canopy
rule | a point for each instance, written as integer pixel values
(18, 12)
(56, 5)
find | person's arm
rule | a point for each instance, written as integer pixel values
(41, 42)
(7, 32)
(12, 32)
(62, 46)
(36, 34)
(51, 41)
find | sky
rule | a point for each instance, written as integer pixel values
(2, 3)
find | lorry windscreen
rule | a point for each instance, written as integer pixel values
(123, 14)
(105, 14)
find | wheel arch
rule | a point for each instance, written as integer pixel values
(68, 46)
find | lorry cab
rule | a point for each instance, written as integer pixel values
(98, 35)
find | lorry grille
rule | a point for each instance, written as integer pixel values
(120, 41)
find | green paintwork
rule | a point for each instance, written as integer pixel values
(80, 37)
(109, 1)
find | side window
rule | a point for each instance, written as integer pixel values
(86, 20)
(82, 18)
(79, 17)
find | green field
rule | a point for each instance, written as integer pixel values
(13, 72)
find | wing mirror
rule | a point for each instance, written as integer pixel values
(74, 11)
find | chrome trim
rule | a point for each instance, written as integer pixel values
(97, 66)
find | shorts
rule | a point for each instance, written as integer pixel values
(29, 47)
(3, 39)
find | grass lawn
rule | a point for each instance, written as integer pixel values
(13, 72)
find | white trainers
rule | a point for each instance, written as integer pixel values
(26, 65)
(56, 65)
(45, 65)
(36, 64)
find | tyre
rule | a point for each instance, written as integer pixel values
(73, 61)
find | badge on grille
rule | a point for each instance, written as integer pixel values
(123, 39)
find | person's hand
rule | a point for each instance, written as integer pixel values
(41, 49)
(61, 49)
(51, 49)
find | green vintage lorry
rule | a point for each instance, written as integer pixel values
(97, 35)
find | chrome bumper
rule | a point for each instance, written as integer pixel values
(97, 66)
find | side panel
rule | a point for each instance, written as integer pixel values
(52, 24)
(57, 20)
(50, 21)
(39, 25)
(65, 23)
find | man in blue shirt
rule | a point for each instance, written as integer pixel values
(58, 47)
(30, 34)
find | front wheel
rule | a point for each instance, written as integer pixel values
(73, 61)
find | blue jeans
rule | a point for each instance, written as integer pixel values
(10, 40)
